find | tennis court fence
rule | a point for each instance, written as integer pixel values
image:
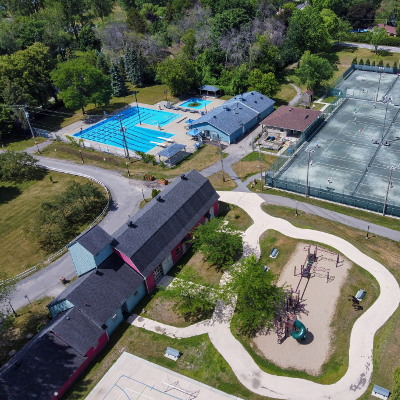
(332, 195)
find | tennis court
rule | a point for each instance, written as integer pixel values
(138, 138)
(350, 159)
(133, 378)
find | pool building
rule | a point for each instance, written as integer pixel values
(231, 121)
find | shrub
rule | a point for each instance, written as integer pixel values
(154, 193)
(380, 64)
(361, 62)
(387, 65)
(354, 60)
(373, 63)
(395, 64)
(367, 62)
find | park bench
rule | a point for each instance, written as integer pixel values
(274, 253)
(360, 295)
(172, 353)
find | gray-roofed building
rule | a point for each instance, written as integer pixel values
(90, 249)
(154, 239)
(210, 89)
(235, 117)
(41, 370)
(79, 332)
(104, 294)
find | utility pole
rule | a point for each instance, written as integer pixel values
(222, 159)
(122, 130)
(137, 106)
(30, 128)
(308, 169)
(80, 153)
(390, 185)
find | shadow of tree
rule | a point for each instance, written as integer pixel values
(8, 193)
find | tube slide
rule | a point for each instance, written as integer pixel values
(300, 332)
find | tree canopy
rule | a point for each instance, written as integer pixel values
(314, 70)
(257, 297)
(80, 84)
(19, 167)
(219, 243)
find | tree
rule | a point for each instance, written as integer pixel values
(178, 73)
(396, 385)
(29, 72)
(101, 8)
(313, 70)
(306, 31)
(377, 37)
(258, 298)
(189, 41)
(135, 21)
(194, 300)
(7, 118)
(220, 244)
(19, 167)
(80, 84)
(236, 80)
(264, 83)
(87, 40)
(117, 82)
(59, 220)
(134, 66)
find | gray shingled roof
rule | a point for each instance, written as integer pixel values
(209, 88)
(255, 100)
(39, 369)
(236, 112)
(157, 228)
(227, 118)
(99, 293)
(77, 330)
(94, 240)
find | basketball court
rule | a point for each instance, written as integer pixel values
(356, 154)
(133, 378)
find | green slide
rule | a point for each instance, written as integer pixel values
(300, 332)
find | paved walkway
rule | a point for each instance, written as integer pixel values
(392, 49)
(356, 380)
(296, 98)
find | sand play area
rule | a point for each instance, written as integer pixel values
(317, 296)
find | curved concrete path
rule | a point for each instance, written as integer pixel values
(353, 384)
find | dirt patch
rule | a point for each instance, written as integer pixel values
(161, 310)
(318, 296)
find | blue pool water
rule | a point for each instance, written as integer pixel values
(137, 138)
(202, 102)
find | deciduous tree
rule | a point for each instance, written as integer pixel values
(80, 84)
(258, 298)
(264, 83)
(314, 70)
(220, 244)
(19, 167)
(377, 37)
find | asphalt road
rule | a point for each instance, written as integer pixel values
(392, 49)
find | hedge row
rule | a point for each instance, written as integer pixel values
(366, 38)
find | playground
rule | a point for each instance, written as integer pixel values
(301, 336)
(133, 378)
(355, 158)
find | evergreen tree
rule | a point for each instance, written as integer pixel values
(135, 21)
(134, 67)
(102, 63)
(117, 82)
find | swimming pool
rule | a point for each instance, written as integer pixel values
(137, 138)
(202, 103)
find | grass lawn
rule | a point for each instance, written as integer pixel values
(19, 206)
(385, 251)
(203, 158)
(285, 94)
(317, 106)
(218, 182)
(22, 144)
(199, 361)
(342, 322)
(250, 164)
(329, 99)
(63, 117)
(237, 218)
(30, 320)
(374, 218)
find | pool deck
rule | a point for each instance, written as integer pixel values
(176, 127)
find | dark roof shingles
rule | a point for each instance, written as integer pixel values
(94, 240)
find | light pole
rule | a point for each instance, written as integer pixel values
(308, 169)
(80, 153)
(205, 104)
(137, 106)
(127, 168)
(31, 129)
(259, 164)
(390, 185)
(384, 121)
(122, 130)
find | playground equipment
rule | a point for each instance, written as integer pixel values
(300, 331)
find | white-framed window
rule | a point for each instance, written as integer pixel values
(177, 251)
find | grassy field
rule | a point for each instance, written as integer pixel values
(251, 164)
(343, 319)
(22, 144)
(217, 180)
(19, 207)
(203, 158)
(285, 94)
(63, 117)
(385, 251)
(374, 218)
(30, 320)
(237, 218)
(199, 361)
